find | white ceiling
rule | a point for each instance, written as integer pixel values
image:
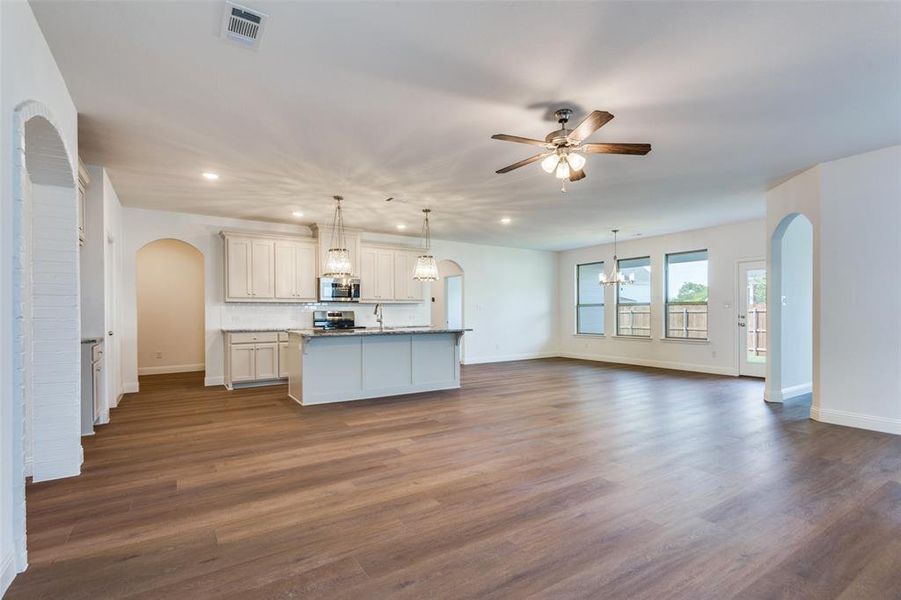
(400, 99)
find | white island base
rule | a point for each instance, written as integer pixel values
(328, 367)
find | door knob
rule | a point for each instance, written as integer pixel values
(109, 333)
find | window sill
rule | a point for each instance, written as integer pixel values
(632, 338)
(590, 335)
(697, 341)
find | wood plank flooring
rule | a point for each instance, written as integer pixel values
(539, 479)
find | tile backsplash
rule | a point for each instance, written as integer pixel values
(300, 316)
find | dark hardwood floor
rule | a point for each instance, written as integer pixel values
(547, 479)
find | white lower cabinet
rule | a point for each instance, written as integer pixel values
(254, 357)
(242, 364)
(265, 360)
(283, 360)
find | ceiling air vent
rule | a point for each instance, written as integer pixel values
(242, 25)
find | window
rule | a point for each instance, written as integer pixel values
(589, 299)
(686, 295)
(633, 300)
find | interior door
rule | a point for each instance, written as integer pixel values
(752, 318)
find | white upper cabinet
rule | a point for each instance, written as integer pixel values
(269, 269)
(405, 287)
(237, 268)
(262, 272)
(386, 275)
(295, 271)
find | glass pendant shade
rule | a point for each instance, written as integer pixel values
(549, 164)
(576, 161)
(337, 259)
(426, 268)
(337, 263)
(562, 170)
(616, 276)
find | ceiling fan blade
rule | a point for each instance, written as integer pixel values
(615, 148)
(590, 124)
(521, 163)
(515, 138)
(577, 175)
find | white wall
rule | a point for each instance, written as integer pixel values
(509, 293)
(27, 72)
(860, 220)
(796, 301)
(169, 284)
(854, 205)
(726, 245)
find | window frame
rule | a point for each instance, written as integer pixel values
(649, 303)
(666, 301)
(580, 305)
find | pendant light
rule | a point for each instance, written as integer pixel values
(337, 259)
(616, 276)
(426, 267)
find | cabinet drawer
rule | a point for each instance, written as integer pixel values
(256, 336)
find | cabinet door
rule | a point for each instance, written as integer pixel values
(385, 269)
(262, 269)
(237, 276)
(305, 272)
(401, 275)
(98, 388)
(241, 362)
(285, 270)
(369, 274)
(265, 359)
(283, 360)
(414, 287)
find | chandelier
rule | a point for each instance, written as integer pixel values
(337, 259)
(616, 276)
(426, 267)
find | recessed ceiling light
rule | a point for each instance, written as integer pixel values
(401, 226)
(211, 176)
(506, 220)
(297, 213)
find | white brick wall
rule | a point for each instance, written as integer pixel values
(45, 300)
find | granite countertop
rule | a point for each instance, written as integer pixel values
(373, 331)
(252, 329)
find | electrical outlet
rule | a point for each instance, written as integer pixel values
(159, 355)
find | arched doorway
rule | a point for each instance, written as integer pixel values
(790, 368)
(46, 437)
(447, 297)
(169, 284)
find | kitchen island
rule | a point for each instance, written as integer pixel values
(340, 365)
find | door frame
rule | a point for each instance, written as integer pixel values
(740, 289)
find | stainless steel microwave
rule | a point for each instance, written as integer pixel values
(339, 289)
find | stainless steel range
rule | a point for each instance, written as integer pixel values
(334, 319)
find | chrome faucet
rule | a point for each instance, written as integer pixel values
(378, 315)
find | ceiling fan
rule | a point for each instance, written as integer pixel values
(564, 147)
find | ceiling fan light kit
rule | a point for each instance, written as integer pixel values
(564, 156)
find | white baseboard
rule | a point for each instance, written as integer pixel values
(211, 381)
(130, 388)
(7, 572)
(171, 369)
(508, 357)
(786, 393)
(658, 364)
(858, 420)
